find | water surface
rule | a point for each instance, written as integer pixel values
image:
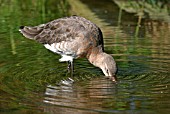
(33, 81)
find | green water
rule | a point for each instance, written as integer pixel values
(31, 77)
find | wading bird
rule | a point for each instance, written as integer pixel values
(73, 37)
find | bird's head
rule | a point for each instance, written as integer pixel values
(106, 63)
(108, 66)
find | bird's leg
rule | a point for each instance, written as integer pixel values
(69, 66)
(72, 68)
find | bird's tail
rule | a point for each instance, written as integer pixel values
(30, 32)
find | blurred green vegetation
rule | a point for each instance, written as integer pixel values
(153, 9)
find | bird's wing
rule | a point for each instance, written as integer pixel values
(53, 32)
(71, 29)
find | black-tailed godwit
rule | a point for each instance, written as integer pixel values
(74, 37)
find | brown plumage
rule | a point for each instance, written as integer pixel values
(73, 37)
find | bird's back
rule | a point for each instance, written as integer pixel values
(69, 35)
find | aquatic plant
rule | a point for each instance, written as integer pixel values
(154, 10)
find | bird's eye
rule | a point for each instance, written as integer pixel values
(107, 71)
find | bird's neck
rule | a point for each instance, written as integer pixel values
(94, 55)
